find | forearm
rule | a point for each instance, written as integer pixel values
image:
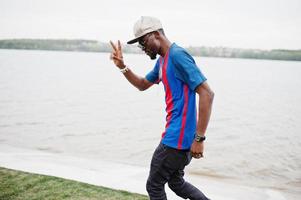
(135, 80)
(205, 107)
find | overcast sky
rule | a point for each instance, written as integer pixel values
(264, 24)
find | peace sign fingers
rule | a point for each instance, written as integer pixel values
(113, 46)
(117, 49)
(119, 46)
(116, 55)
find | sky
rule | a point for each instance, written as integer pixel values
(256, 24)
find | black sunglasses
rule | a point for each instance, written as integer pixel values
(144, 40)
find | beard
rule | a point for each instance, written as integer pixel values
(151, 54)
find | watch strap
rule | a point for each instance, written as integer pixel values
(199, 138)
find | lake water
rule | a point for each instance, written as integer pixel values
(79, 104)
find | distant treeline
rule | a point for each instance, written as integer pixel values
(275, 54)
(96, 46)
(63, 45)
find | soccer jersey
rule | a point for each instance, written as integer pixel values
(180, 76)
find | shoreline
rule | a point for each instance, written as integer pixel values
(118, 176)
(84, 45)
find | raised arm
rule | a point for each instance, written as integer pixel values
(137, 81)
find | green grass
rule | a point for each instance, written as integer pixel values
(17, 185)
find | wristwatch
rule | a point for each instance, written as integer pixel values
(199, 138)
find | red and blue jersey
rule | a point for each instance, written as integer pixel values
(180, 76)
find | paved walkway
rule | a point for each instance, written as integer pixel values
(118, 176)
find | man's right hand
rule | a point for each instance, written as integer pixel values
(116, 55)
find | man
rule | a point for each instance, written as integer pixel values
(184, 135)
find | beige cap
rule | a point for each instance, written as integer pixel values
(145, 25)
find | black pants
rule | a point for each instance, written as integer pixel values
(167, 166)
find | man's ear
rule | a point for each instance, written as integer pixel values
(157, 34)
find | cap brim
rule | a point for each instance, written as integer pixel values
(137, 38)
(133, 41)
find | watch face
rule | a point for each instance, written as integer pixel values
(200, 138)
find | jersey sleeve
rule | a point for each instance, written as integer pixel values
(186, 69)
(153, 76)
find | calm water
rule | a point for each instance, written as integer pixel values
(80, 104)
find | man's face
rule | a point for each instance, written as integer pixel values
(147, 44)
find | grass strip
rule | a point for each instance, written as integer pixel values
(18, 185)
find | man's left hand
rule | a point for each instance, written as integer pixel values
(197, 149)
